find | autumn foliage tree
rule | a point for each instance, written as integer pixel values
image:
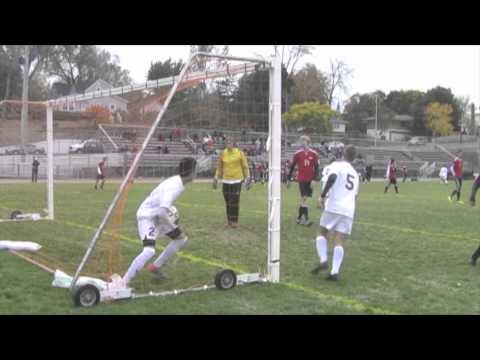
(438, 118)
(312, 116)
(101, 114)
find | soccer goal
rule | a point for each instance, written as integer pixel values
(213, 101)
(26, 161)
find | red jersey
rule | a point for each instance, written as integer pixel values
(392, 172)
(306, 162)
(458, 167)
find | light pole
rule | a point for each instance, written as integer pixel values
(23, 122)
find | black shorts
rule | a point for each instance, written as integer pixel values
(305, 188)
(100, 177)
(393, 181)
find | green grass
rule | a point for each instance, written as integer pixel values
(408, 254)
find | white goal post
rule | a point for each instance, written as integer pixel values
(50, 214)
(274, 185)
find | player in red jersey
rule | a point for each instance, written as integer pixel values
(306, 160)
(101, 173)
(457, 170)
(391, 176)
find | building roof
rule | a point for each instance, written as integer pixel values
(103, 85)
(99, 85)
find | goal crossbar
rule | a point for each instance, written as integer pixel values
(192, 78)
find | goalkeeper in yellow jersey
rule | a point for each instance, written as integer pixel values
(232, 169)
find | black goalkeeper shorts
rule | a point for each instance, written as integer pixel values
(305, 188)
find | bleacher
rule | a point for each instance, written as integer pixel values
(430, 156)
(128, 138)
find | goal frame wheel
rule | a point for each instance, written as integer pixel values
(225, 279)
(86, 296)
(14, 214)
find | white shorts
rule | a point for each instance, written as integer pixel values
(150, 227)
(336, 222)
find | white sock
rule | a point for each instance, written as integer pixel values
(138, 263)
(321, 244)
(171, 249)
(337, 259)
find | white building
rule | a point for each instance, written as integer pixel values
(112, 103)
(395, 129)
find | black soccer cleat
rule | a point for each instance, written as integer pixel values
(320, 267)
(332, 277)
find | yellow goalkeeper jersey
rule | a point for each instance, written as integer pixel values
(232, 165)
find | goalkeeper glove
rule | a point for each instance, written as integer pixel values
(215, 183)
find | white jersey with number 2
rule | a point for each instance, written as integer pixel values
(163, 196)
(341, 196)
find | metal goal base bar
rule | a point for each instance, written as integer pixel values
(242, 279)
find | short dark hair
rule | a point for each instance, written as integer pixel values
(349, 153)
(187, 166)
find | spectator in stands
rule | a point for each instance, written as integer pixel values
(258, 145)
(233, 169)
(323, 149)
(165, 150)
(160, 137)
(244, 135)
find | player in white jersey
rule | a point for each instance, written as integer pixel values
(443, 174)
(154, 218)
(339, 209)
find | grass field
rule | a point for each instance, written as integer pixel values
(408, 254)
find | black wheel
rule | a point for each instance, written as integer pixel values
(86, 296)
(14, 214)
(225, 279)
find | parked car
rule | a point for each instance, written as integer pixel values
(27, 149)
(416, 140)
(90, 146)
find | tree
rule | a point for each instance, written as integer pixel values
(362, 106)
(291, 55)
(199, 63)
(10, 71)
(167, 68)
(312, 116)
(76, 67)
(337, 78)
(309, 84)
(439, 118)
(444, 96)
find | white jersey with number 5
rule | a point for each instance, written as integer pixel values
(341, 196)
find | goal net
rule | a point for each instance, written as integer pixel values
(26, 173)
(213, 102)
